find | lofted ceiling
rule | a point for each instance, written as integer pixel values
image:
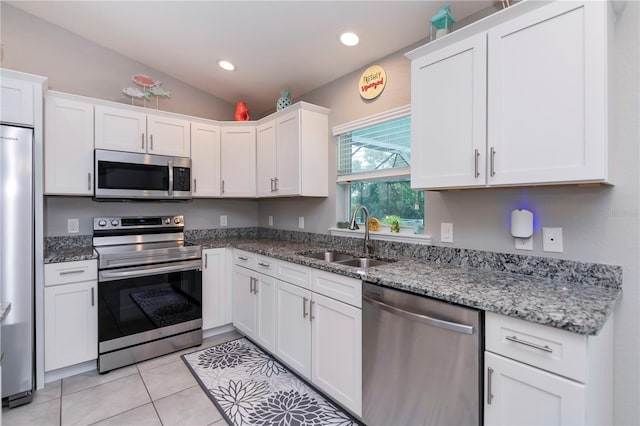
(274, 44)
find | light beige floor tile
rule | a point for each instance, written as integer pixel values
(168, 379)
(141, 416)
(104, 401)
(220, 338)
(189, 407)
(51, 391)
(93, 378)
(219, 423)
(42, 414)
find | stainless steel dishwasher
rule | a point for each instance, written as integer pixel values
(422, 360)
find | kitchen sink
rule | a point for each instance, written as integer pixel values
(363, 262)
(346, 259)
(330, 256)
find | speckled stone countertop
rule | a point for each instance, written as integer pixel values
(578, 307)
(69, 249)
(569, 295)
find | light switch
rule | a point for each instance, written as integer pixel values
(446, 232)
(223, 221)
(301, 222)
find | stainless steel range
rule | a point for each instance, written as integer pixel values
(149, 289)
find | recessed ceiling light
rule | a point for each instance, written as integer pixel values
(226, 65)
(349, 39)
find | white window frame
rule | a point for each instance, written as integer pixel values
(406, 234)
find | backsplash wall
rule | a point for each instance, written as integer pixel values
(199, 214)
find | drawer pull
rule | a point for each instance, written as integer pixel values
(243, 258)
(74, 271)
(266, 265)
(489, 393)
(92, 297)
(206, 261)
(514, 339)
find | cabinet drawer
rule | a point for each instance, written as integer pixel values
(548, 348)
(266, 265)
(70, 272)
(344, 289)
(244, 258)
(295, 274)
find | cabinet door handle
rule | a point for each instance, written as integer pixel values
(151, 143)
(142, 141)
(304, 307)
(276, 183)
(255, 286)
(489, 394)
(251, 285)
(311, 317)
(272, 185)
(515, 339)
(222, 187)
(476, 157)
(92, 299)
(195, 185)
(206, 260)
(89, 181)
(493, 162)
(74, 271)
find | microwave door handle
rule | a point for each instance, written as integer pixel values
(170, 165)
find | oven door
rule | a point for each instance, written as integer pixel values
(141, 304)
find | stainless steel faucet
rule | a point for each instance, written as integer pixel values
(368, 245)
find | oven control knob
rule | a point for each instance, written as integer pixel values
(102, 222)
(176, 220)
(167, 221)
(114, 222)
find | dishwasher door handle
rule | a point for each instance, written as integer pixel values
(460, 328)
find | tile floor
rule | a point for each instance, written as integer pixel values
(160, 391)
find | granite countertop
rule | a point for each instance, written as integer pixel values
(578, 307)
(69, 254)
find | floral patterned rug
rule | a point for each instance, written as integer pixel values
(251, 388)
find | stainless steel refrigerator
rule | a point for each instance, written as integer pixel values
(17, 263)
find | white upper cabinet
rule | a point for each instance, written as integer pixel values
(547, 99)
(537, 76)
(448, 116)
(293, 153)
(121, 129)
(16, 100)
(238, 162)
(205, 160)
(68, 146)
(267, 159)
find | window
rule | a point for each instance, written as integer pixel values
(374, 158)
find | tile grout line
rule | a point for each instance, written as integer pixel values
(153, 404)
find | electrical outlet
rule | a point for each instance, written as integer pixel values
(301, 222)
(552, 240)
(73, 226)
(524, 243)
(446, 232)
(270, 220)
(223, 221)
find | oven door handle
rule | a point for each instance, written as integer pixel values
(143, 271)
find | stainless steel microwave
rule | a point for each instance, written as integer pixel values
(128, 175)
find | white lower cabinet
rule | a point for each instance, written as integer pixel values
(216, 290)
(521, 394)
(539, 375)
(293, 327)
(336, 330)
(71, 316)
(254, 305)
(317, 336)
